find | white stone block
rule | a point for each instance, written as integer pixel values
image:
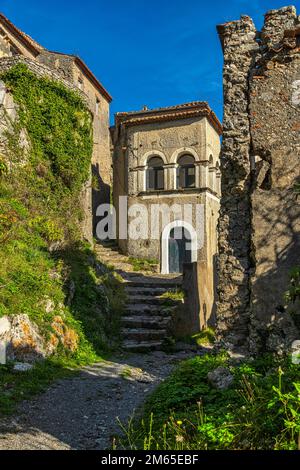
(4, 325)
(296, 93)
(2, 352)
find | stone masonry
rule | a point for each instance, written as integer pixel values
(259, 226)
(15, 47)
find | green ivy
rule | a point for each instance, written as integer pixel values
(41, 248)
(59, 126)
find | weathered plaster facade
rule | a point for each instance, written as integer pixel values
(259, 227)
(169, 133)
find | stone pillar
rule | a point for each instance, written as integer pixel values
(259, 225)
(211, 178)
(240, 48)
(134, 181)
(141, 179)
(203, 175)
(197, 175)
(218, 183)
(172, 177)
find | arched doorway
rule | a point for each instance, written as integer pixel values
(178, 246)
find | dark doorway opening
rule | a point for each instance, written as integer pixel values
(179, 249)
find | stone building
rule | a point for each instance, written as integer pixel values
(259, 228)
(17, 46)
(168, 158)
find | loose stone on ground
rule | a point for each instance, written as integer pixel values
(82, 412)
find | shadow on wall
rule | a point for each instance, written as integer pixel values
(235, 250)
(276, 237)
(101, 194)
(264, 236)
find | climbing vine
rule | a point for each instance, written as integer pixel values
(47, 149)
(59, 127)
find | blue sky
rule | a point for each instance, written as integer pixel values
(154, 53)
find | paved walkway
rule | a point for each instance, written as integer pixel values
(82, 412)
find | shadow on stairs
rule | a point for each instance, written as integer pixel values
(148, 314)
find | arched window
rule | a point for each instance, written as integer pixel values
(186, 172)
(155, 174)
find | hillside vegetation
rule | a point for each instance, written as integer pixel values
(259, 411)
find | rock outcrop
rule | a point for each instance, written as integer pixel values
(24, 342)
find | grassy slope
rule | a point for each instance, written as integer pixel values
(42, 255)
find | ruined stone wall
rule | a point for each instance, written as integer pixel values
(42, 70)
(259, 226)
(10, 45)
(99, 107)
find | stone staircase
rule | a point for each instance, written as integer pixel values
(147, 315)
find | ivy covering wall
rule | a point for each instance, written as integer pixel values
(48, 150)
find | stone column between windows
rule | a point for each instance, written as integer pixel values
(133, 181)
(203, 174)
(212, 178)
(170, 175)
(197, 174)
(218, 183)
(141, 178)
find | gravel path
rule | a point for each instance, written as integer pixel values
(81, 412)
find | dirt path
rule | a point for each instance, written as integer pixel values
(82, 412)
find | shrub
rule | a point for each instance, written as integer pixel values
(260, 411)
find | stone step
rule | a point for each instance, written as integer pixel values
(163, 277)
(143, 346)
(106, 244)
(142, 321)
(108, 249)
(147, 300)
(111, 256)
(120, 267)
(145, 291)
(148, 281)
(143, 334)
(148, 309)
(147, 316)
(128, 273)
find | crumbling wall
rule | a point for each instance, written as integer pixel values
(8, 111)
(259, 227)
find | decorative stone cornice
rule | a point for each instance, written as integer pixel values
(172, 113)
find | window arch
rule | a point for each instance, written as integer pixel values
(186, 172)
(155, 174)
